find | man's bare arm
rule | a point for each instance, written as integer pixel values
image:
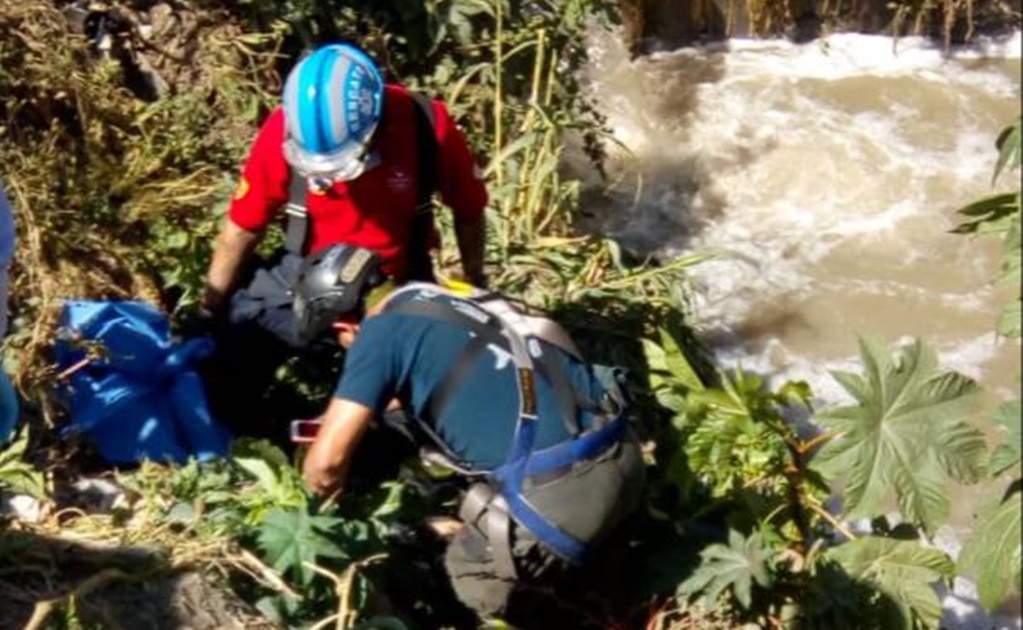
(326, 464)
(472, 238)
(233, 246)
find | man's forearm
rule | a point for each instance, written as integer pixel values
(233, 246)
(326, 464)
(472, 239)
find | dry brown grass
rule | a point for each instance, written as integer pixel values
(91, 167)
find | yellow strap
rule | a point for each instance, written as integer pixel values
(460, 288)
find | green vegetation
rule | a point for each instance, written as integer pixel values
(994, 553)
(789, 561)
(119, 188)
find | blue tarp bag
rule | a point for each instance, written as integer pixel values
(8, 409)
(138, 396)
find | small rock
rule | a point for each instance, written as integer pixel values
(98, 495)
(22, 507)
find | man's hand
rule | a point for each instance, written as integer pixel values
(326, 464)
(200, 323)
(444, 526)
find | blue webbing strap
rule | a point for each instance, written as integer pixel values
(586, 446)
(511, 476)
(524, 462)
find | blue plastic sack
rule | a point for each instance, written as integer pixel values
(139, 396)
(8, 409)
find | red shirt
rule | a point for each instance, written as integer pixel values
(374, 210)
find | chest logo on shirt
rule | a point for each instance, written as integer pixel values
(242, 189)
(398, 180)
(502, 358)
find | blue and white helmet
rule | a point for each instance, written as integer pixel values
(332, 104)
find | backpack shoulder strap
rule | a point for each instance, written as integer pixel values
(543, 328)
(427, 146)
(296, 233)
(419, 264)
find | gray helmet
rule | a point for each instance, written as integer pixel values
(331, 284)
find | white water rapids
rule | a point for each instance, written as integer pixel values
(826, 177)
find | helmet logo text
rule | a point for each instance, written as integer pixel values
(354, 266)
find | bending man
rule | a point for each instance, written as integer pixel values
(502, 397)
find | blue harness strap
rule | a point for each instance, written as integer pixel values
(586, 446)
(524, 462)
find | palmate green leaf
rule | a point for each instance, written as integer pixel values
(18, 476)
(904, 434)
(290, 538)
(1008, 453)
(991, 215)
(994, 553)
(733, 566)
(903, 572)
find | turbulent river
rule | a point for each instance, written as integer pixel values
(825, 177)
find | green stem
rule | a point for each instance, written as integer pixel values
(834, 522)
(807, 447)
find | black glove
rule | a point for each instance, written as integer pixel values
(199, 323)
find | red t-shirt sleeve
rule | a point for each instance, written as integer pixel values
(460, 181)
(263, 188)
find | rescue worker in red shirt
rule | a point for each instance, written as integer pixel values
(347, 158)
(352, 138)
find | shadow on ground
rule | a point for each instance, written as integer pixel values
(45, 581)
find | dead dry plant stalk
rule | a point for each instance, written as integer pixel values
(346, 616)
(43, 609)
(257, 569)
